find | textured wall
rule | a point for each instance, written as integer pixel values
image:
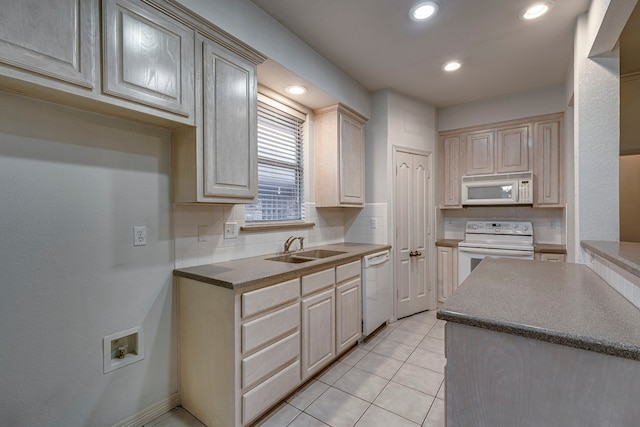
(74, 185)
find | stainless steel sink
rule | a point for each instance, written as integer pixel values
(290, 258)
(305, 256)
(319, 253)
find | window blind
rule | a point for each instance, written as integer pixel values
(280, 166)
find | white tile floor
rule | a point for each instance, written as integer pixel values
(394, 379)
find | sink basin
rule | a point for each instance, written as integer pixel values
(319, 253)
(306, 256)
(290, 258)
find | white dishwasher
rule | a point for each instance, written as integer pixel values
(377, 286)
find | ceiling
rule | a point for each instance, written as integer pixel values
(377, 44)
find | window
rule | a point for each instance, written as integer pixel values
(280, 164)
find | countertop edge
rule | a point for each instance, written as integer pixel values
(625, 264)
(540, 334)
(271, 279)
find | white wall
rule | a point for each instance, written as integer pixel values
(524, 104)
(247, 22)
(74, 184)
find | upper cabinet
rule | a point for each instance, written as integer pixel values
(533, 145)
(217, 161)
(548, 170)
(339, 171)
(148, 57)
(51, 39)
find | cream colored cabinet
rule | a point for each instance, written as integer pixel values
(447, 276)
(512, 149)
(451, 172)
(239, 352)
(339, 171)
(318, 321)
(480, 153)
(217, 161)
(148, 57)
(548, 163)
(348, 305)
(50, 39)
(550, 257)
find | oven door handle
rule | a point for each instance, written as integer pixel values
(505, 252)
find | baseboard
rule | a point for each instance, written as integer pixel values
(151, 413)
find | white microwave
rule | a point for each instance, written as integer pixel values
(504, 189)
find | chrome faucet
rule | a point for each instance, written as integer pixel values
(290, 241)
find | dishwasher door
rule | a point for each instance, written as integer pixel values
(377, 291)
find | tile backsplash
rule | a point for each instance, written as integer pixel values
(549, 225)
(199, 231)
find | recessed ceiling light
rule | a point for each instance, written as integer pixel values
(452, 66)
(424, 10)
(536, 10)
(296, 90)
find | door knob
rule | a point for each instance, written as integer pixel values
(415, 253)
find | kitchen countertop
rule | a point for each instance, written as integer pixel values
(448, 243)
(561, 303)
(246, 272)
(625, 255)
(548, 248)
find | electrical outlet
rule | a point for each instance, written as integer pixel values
(373, 223)
(140, 236)
(230, 230)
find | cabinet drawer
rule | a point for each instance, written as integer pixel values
(347, 271)
(317, 281)
(269, 392)
(267, 328)
(267, 360)
(269, 297)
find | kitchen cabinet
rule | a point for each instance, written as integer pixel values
(217, 161)
(50, 40)
(548, 171)
(242, 351)
(318, 321)
(348, 305)
(239, 352)
(532, 144)
(447, 275)
(480, 153)
(451, 172)
(339, 171)
(512, 149)
(148, 57)
(550, 257)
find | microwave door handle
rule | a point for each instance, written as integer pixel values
(485, 251)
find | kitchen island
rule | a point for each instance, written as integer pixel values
(531, 343)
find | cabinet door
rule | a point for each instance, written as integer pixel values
(348, 314)
(452, 171)
(548, 164)
(148, 58)
(447, 275)
(318, 332)
(54, 38)
(480, 153)
(351, 161)
(512, 149)
(230, 124)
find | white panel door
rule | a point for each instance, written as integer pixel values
(412, 207)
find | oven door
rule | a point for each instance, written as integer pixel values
(469, 258)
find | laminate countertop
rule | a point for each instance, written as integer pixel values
(625, 255)
(560, 303)
(258, 272)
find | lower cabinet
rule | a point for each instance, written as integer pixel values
(550, 257)
(447, 277)
(241, 353)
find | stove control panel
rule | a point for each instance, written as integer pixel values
(500, 227)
